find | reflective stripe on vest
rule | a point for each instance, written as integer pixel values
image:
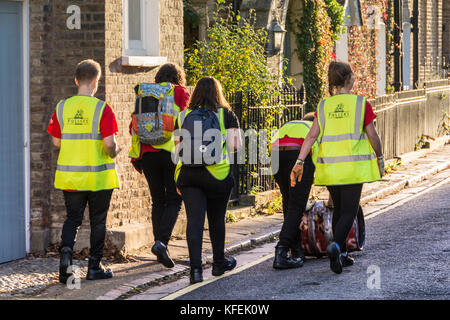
(219, 170)
(344, 157)
(83, 164)
(102, 167)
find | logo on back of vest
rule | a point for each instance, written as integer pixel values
(78, 119)
(338, 113)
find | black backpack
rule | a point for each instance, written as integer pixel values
(202, 142)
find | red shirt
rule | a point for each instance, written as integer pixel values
(369, 115)
(108, 126)
(181, 97)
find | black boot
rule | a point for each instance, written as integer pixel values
(196, 275)
(159, 249)
(334, 254)
(346, 260)
(97, 271)
(65, 261)
(297, 253)
(283, 261)
(227, 265)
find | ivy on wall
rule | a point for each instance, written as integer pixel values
(388, 7)
(363, 45)
(362, 53)
(315, 31)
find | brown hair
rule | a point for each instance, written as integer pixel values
(170, 72)
(309, 116)
(87, 70)
(208, 93)
(339, 73)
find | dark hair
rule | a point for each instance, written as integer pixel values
(208, 93)
(309, 116)
(87, 70)
(171, 72)
(339, 73)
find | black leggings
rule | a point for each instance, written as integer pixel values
(166, 203)
(346, 203)
(294, 199)
(202, 193)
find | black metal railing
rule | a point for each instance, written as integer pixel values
(278, 109)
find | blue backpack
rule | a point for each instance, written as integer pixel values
(202, 147)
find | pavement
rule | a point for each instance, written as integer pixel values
(36, 278)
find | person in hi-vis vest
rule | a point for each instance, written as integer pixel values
(83, 128)
(349, 155)
(206, 187)
(287, 142)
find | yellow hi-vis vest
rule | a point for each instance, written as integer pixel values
(218, 170)
(345, 154)
(297, 129)
(83, 164)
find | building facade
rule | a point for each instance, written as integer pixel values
(130, 39)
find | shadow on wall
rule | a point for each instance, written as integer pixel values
(117, 67)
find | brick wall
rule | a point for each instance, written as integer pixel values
(54, 52)
(131, 204)
(40, 106)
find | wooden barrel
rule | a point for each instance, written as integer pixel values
(318, 233)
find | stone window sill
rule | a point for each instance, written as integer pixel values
(143, 61)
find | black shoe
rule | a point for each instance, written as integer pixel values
(97, 271)
(333, 253)
(346, 260)
(159, 249)
(284, 261)
(196, 275)
(65, 261)
(228, 264)
(297, 253)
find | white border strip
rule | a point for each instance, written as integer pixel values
(26, 102)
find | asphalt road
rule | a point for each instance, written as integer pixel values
(408, 247)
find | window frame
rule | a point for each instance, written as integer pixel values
(144, 52)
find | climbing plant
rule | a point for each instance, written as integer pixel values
(362, 52)
(388, 14)
(315, 29)
(234, 53)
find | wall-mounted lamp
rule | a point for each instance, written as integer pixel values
(276, 35)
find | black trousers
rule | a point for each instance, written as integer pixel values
(98, 209)
(346, 203)
(166, 203)
(204, 195)
(294, 199)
